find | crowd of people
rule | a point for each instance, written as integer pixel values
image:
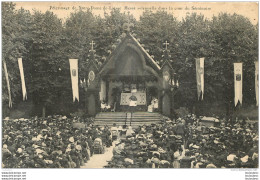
(61, 142)
(52, 142)
(188, 143)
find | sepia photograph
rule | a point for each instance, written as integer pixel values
(129, 85)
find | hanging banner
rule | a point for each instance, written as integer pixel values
(200, 77)
(238, 78)
(20, 64)
(74, 78)
(8, 85)
(256, 83)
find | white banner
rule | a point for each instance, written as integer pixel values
(8, 85)
(238, 82)
(256, 83)
(20, 64)
(74, 78)
(200, 76)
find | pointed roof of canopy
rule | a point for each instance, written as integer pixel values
(130, 40)
(146, 53)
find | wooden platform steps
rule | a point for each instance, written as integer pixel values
(124, 118)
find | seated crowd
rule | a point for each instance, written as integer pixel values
(55, 142)
(187, 143)
(51, 142)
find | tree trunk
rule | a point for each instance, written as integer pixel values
(43, 111)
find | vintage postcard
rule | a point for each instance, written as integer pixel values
(129, 85)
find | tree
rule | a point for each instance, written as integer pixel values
(44, 59)
(194, 41)
(14, 39)
(154, 29)
(46, 45)
(236, 40)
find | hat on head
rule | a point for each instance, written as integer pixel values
(48, 161)
(128, 160)
(195, 147)
(78, 147)
(216, 142)
(244, 159)
(6, 118)
(155, 160)
(148, 161)
(231, 157)
(19, 150)
(211, 166)
(71, 139)
(35, 146)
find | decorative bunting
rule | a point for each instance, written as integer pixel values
(200, 77)
(74, 78)
(20, 64)
(256, 83)
(8, 85)
(238, 82)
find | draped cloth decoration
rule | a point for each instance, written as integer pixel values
(256, 83)
(238, 82)
(200, 77)
(20, 64)
(8, 85)
(74, 78)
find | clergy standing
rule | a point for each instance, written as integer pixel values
(132, 105)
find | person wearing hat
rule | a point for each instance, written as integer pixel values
(114, 132)
(90, 145)
(180, 129)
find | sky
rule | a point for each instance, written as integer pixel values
(178, 9)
